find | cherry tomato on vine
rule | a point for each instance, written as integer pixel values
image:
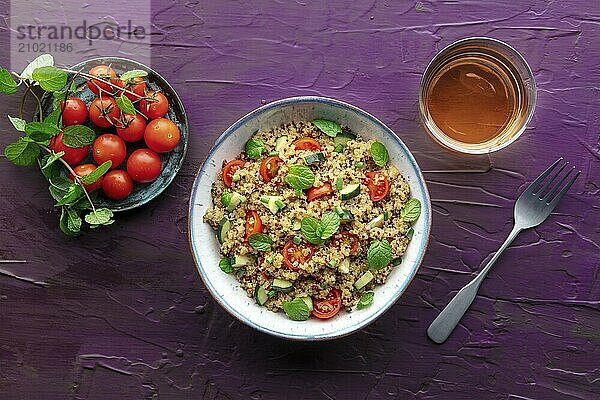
(378, 185)
(136, 85)
(253, 223)
(155, 105)
(269, 167)
(109, 147)
(73, 155)
(103, 72)
(74, 111)
(86, 169)
(104, 112)
(229, 170)
(143, 165)
(294, 254)
(162, 135)
(117, 184)
(329, 306)
(131, 127)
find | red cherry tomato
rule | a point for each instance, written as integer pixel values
(229, 169)
(144, 165)
(109, 147)
(329, 306)
(162, 135)
(102, 72)
(348, 239)
(319, 191)
(86, 169)
(293, 255)
(253, 223)
(117, 184)
(155, 105)
(73, 155)
(136, 85)
(269, 167)
(378, 185)
(74, 111)
(307, 144)
(131, 127)
(104, 112)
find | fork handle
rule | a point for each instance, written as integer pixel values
(446, 321)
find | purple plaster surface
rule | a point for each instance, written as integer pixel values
(120, 313)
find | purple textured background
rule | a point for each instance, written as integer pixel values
(121, 312)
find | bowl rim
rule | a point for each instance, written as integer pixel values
(362, 323)
(178, 103)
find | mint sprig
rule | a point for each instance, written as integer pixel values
(300, 177)
(316, 232)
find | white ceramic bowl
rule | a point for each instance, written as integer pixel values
(205, 247)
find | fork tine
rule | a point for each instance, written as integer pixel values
(564, 190)
(535, 184)
(549, 182)
(553, 190)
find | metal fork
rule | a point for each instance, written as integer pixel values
(531, 209)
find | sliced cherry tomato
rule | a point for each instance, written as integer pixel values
(103, 72)
(86, 169)
(131, 127)
(253, 223)
(293, 255)
(378, 185)
(104, 112)
(74, 111)
(319, 191)
(136, 85)
(109, 147)
(346, 238)
(144, 165)
(269, 167)
(117, 184)
(155, 105)
(329, 306)
(162, 135)
(73, 155)
(229, 169)
(307, 143)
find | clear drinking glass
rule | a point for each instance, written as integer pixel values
(513, 87)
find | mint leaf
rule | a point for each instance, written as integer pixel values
(379, 154)
(96, 174)
(43, 60)
(311, 230)
(72, 194)
(53, 117)
(134, 73)
(330, 223)
(330, 128)
(59, 185)
(125, 104)
(78, 136)
(411, 210)
(296, 310)
(70, 222)
(22, 152)
(51, 79)
(260, 241)
(48, 161)
(7, 83)
(18, 123)
(102, 216)
(379, 254)
(300, 177)
(254, 148)
(365, 300)
(41, 131)
(225, 265)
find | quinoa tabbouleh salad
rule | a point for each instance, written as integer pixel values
(311, 217)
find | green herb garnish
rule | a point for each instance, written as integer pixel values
(254, 148)
(125, 104)
(365, 300)
(330, 128)
(379, 254)
(411, 210)
(78, 136)
(225, 265)
(379, 154)
(300, 177)
(260, 241)
(316, 232)
(296, 309)
(134, 73)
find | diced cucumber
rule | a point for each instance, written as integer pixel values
(281, 285)
(339, 148)
(296, 225)
(280, 144)
(345, 215)
(297, 240)
(241, 261)
(314, 158)
(232, 199)
(308, 302)
(386, 216)
(343, 138)
(363, 280)
(344, 266)
(273, 153)
(396, 261)
(339, 183)
(260, 295)
(332, 263)
(376, 222)
(350, 191)
(223, 228)
(273, 203)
